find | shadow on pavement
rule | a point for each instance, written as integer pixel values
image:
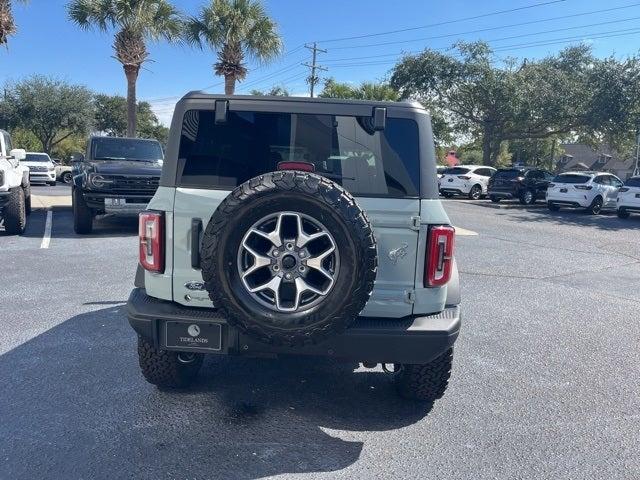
(74, 405)
(607, 221)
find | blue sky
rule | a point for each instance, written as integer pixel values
(48, 43)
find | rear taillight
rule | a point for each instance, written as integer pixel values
(464, 177)
(624, 189)
(583, 187)
(151, 233)
(439, 256)
(303, 166)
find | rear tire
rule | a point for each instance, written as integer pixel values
(82, 214)
(428, 382)
(553, 207)
(15, 214)
(475, 193)
(165, 368)
(596, 206)
(495, 199)
(622, 213)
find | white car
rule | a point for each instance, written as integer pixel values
(468, 180)
(41, 168)
(15, 190)
(593, 191)
(629, 198)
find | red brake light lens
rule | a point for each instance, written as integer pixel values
(303, 166)
(151, 234)
(439, 256)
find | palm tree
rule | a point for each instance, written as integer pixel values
(7, 22)
(236, 29)
(135, 22)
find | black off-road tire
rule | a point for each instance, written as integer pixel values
(14, 213)
(554, 207)
(316, 197)
(82, 214)
(623, 213)
(426, 382)
(495, 199)
(165, 368)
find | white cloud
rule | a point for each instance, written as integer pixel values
(164, 109)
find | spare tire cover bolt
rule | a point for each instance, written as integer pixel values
(301, 268)
(275, 253)
(276, 268)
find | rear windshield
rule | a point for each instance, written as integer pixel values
(508, 174)
(456, 171)
(37, 157)
(345, 149)
(571, 178)
(106, 148)
(633, 182)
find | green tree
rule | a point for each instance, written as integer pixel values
(53, 110)
(7, 21)
(275, 91)
(555, 96)
(364, 91)
(236, 29)
(111, 118)
(136, 22)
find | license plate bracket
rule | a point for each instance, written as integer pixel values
(193, 336)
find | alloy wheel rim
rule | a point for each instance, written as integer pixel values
(288, 261)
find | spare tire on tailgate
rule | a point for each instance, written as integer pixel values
(290, 258)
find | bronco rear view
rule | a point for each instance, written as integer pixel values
(296, 226)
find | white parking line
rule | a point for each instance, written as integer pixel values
(46, 239)
(463, 232)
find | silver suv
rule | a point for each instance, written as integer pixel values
(295, 226)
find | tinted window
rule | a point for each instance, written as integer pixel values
(484, 172)
(571, 178)
(345, 149)
(602, 180)
(508, 174)
(633, 182)
(106, 148)
(457, 171)
(37, 157)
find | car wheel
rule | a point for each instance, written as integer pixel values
(553, 207)
(167, 369)
(475, 193)
(426, 382)
(67, 177)
(622, 213)
(14, 212)
(528, 197)
(596, 206)
(82, 214)
(495, 199)
(290, 258)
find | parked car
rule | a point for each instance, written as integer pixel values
(297, 226)
(15, 189)
(440, 169)
(593, 191)
(63, 172)
(468, 180)
(628, 200)
(526, 184)
(41, 168)
(118, 176)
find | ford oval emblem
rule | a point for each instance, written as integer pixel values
(193, 286)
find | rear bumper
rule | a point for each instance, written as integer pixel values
(504, 193)
(416, 339)
(42, 177)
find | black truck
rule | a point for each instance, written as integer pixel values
(117, 176)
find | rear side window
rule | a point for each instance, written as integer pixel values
(571, 178)
(633, 182)
(344, 149)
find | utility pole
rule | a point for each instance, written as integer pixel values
(636, 170)
(313, 79)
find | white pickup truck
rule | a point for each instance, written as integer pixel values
(15, 189)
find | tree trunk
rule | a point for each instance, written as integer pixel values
(229, 84)
(131, 71)
(486, 146)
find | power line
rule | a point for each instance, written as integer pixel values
(488, 29)
(448, 22)
(313, 78)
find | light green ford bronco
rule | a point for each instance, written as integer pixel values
(295, 226)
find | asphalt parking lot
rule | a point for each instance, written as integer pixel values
(545, 384)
